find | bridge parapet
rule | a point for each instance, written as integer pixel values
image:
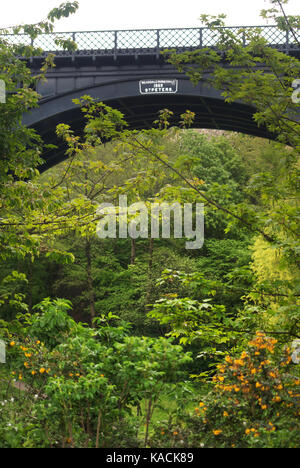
(149, 41)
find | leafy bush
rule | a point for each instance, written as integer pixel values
(80, 388)
(254, 403)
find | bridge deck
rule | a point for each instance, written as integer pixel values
(151, 41)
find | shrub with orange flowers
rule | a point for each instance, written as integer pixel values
(255, 401)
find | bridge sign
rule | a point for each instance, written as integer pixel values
(158, 86)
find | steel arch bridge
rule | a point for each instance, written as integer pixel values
(125, 69)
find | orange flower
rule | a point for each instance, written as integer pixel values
(238, 362)
(277, 399)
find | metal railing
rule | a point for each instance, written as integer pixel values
(151, 40)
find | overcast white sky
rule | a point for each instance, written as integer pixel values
(134, 14)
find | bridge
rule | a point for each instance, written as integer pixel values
(126, 70)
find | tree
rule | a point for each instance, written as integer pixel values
(21, 201)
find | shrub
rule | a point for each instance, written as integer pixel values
(254, 403)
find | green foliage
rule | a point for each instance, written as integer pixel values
(219, 168)
(51, 321)
(193, 320)
(23, 202)
(81, 382)
(95, 368)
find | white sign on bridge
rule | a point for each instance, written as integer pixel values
(158, 86)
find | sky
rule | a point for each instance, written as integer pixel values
(97, 15)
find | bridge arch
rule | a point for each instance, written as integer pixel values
(112, 71)
(141, 110)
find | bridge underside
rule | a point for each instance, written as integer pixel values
(141, 111)
(113, 67)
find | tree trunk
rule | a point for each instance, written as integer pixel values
(133, 251)
(151, 245)
(30, 285)
(91, 292)
(149, 279)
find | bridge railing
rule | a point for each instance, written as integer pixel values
(150, 40)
